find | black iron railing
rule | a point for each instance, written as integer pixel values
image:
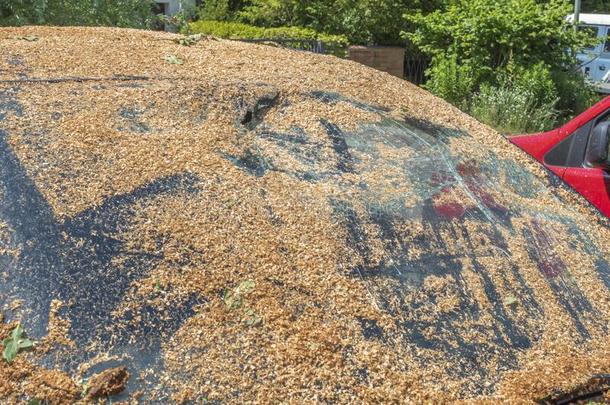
(415, 68)
(309, 45)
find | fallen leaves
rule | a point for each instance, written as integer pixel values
(108, 382)
(173, 59)
(192, 39)
(235, 299)
(29, 38)
(16, 342)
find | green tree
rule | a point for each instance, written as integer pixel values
(362, 21)
(120, 13)
(492, 34)
(516, 46)
(596, 6)
(220, 10)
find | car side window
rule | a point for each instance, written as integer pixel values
(605, 117)
(571, 151)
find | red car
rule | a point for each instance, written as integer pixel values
(578, 152)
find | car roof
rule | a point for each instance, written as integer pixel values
(238, 222)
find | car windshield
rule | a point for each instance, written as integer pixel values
(234, 236)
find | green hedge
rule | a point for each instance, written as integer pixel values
(234, 30)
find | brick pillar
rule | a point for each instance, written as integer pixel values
(389, 59)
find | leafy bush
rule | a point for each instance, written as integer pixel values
(361, 21)
(234, 30)
(596, 6)
(537, 79)
(219, 10)
(450, 81)
(522, 100)
(487, 34)
(272, 13)
(575, 94)
(513, 107)
(511, 52)
(121, 13)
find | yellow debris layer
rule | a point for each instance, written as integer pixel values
(304, 294)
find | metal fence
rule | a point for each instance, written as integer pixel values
(415, 68)
(309, 45)
(415, 65)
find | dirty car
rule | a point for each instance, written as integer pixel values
(234, 222)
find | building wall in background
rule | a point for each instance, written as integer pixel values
(171, 7)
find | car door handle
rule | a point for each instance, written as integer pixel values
(602, 67)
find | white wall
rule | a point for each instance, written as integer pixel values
(174, 6)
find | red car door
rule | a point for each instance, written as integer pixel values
(593, 184)
(578, 152)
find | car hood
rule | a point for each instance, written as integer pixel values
(236, 228)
